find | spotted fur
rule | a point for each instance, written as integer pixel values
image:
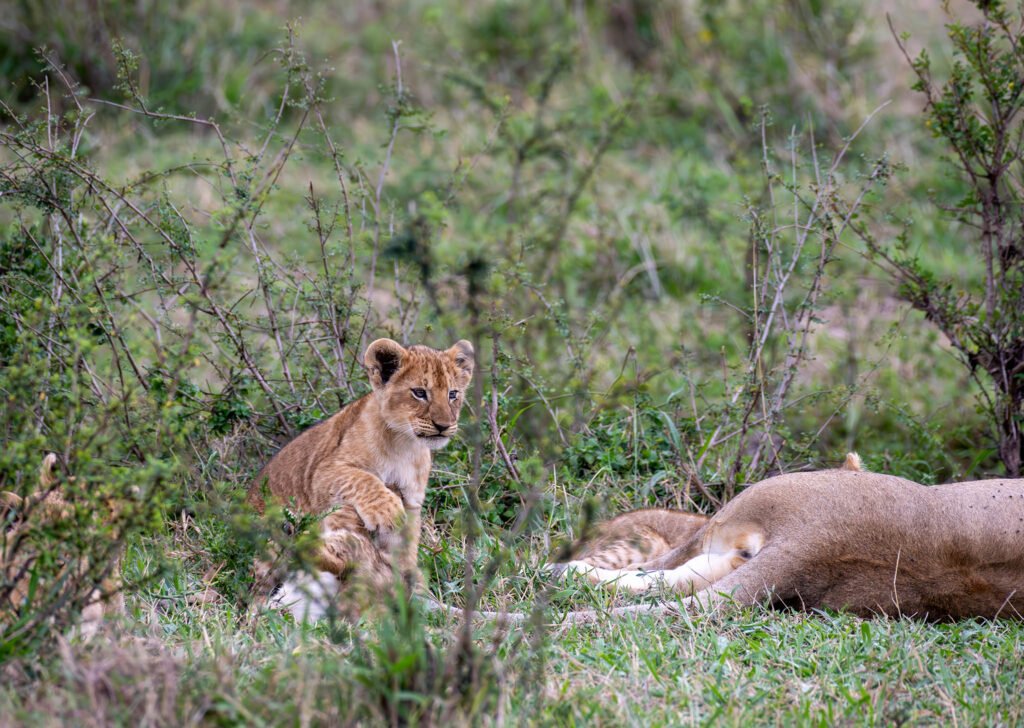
(638, 536)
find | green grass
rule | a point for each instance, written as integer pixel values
(208, 665)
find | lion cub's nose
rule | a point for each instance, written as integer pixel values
(442, 426)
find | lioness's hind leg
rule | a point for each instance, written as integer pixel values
(698, 573)
(726, 554)
(634, 581)
(769, 574)
(701, 572)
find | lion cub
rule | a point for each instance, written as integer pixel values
(367, 467)
(638, 536)
(22, 517)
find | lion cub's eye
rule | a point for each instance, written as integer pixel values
(419, 394)
(453, 395)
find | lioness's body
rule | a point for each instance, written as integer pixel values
(367, 467)
(863, 542)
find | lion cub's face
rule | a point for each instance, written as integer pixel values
(421, 390)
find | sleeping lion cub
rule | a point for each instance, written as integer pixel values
(366, 468)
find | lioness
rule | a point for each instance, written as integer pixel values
(366, 467)
(850, 540)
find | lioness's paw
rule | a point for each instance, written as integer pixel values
(384, 513)
(634, 581)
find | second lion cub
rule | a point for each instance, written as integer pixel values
(366, 468)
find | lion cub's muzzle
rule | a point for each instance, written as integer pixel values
(437, 438)
(437, 429)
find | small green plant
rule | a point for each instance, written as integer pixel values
(979, 113)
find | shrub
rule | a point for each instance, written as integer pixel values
(977, 111)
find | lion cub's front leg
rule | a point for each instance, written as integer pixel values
(378, 508)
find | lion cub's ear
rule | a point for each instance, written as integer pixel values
(382, 359)
(463, 354)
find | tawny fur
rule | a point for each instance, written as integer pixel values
(638, 536)
(367, 466)
(851, 540)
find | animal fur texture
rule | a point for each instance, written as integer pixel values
(367, 468)
(844, 539)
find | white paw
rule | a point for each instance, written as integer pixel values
(579, 569)
(307, 597)
(635, 581)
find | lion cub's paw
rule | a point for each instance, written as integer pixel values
(614, 579)
(385, 513)
(579, 569)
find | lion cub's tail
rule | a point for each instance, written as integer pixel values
(852, 463)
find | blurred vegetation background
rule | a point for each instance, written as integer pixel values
(600, 159)
(658, 223)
